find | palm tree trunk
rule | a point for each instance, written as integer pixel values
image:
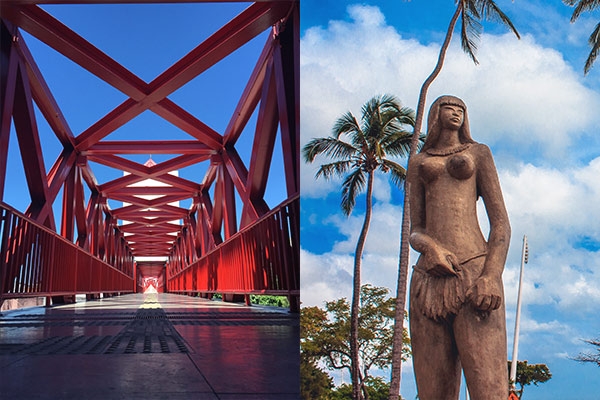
(404, 245)
(356, 384)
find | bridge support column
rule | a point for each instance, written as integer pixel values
(67, 299)
(233, 298)
(294, 304)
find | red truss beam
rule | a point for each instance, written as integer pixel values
(253, 21)
(58, 36)
(151, 238)
(60, 171)
(144, 171)
(149, 147)
(187, 123)
(264, 139)
(8, 81)
(149, 226)
(44, 98)
(23, 2)
(149, 203)
(250, 97)
(31, 151)
(286, 59)
(155, 221)
(137, 227)
(136, 211)
(150, 191)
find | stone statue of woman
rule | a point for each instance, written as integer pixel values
(457, 317)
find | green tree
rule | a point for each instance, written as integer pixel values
(471, 13)
(377, 389)
(315, 384)
(594, 39)
(325, 335)
(270, 300)
(590, 357)
(528, 374)
(380, 134)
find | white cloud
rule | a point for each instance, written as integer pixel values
(328, 276)
(521, 94)
(525, 94)
(555, 209)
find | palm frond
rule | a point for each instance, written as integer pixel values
(394, 121)
(582, 6)
(353, 185)
(407, 116)
(473, 12)
(473, 7)
(397, 172)
(330, 147)
(594, 41)
(397, 144)
(347, 124)
(337, 168)
(380, 104)
(376, 112)
(470, 33)
(491, 12)
(397, 125)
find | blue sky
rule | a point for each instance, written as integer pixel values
(529, 101)
(146, 39)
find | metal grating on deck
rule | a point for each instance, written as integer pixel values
(148, 331)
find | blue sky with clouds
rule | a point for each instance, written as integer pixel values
(529, 101)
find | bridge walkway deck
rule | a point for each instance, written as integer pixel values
(149, 346)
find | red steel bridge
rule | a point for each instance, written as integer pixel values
(84, 234)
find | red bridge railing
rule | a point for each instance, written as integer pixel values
(261, 259)
(36, 262)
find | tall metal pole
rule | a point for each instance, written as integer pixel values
(514, 362)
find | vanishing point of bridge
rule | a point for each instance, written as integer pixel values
(128, 238)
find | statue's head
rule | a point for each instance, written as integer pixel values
(434, 127)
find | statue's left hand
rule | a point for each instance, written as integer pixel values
(485, 294)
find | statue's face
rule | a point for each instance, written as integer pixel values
(451, 116)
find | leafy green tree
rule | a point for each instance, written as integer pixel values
(590, 357)
(325, 335)
(594, 39)
(377, 389)
(269, 300)
(359, 149)
(528, 374)
(471, 13)
(315, 384)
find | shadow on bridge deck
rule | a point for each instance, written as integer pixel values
(151, 346)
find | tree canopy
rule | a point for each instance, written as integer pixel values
(528, 374)
(325, 337)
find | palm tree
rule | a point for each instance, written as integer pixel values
(379, 134)
(594, 40)
(471, 12)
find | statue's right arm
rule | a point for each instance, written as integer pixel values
(437, 260)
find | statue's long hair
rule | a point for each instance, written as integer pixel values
(434, 128)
